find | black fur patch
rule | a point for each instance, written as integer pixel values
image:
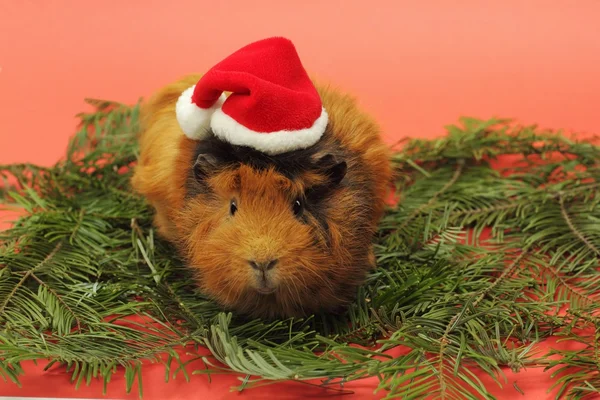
(315, 205)
(290, 164)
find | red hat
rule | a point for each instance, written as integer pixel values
(273, 106)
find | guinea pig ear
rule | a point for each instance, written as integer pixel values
(204, 165)
(333, 168)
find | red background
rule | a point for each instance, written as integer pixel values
(415, 65)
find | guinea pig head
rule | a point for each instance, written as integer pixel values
(258, 236)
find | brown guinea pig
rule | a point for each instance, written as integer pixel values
(269, 235)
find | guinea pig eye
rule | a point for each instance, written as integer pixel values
(297, 207)
(232, 208)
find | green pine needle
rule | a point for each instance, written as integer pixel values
(474, 265)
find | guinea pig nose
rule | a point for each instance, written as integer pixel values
(263, 265)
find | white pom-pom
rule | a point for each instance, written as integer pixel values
(193, 120)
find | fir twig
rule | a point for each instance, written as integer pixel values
(27, 274)
(573, 290)
(435, 196)
(574, 229)
(507, 272)
(84, 256)
(471, 305)
(58, 297)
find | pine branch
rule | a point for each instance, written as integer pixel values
(58, 297)
(573, 290)
(433, 199)
(573, 228)
(508, 272)
(487, 210)
(87, 243)
(30, 272)
(444, 340)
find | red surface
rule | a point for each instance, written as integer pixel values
(416, 66)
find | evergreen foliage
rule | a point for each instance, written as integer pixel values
(475, 267)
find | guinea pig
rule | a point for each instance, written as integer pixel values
(269, 234)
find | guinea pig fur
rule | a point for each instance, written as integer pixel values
(269, 236)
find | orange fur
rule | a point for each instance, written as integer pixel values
(308, 276)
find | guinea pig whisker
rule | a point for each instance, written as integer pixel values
(231, 285)
(295, 294)
(301, 276)
(319, 276)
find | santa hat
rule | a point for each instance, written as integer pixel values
(273, 106)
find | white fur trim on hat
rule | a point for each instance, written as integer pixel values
(272, 143)
(193, 120)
